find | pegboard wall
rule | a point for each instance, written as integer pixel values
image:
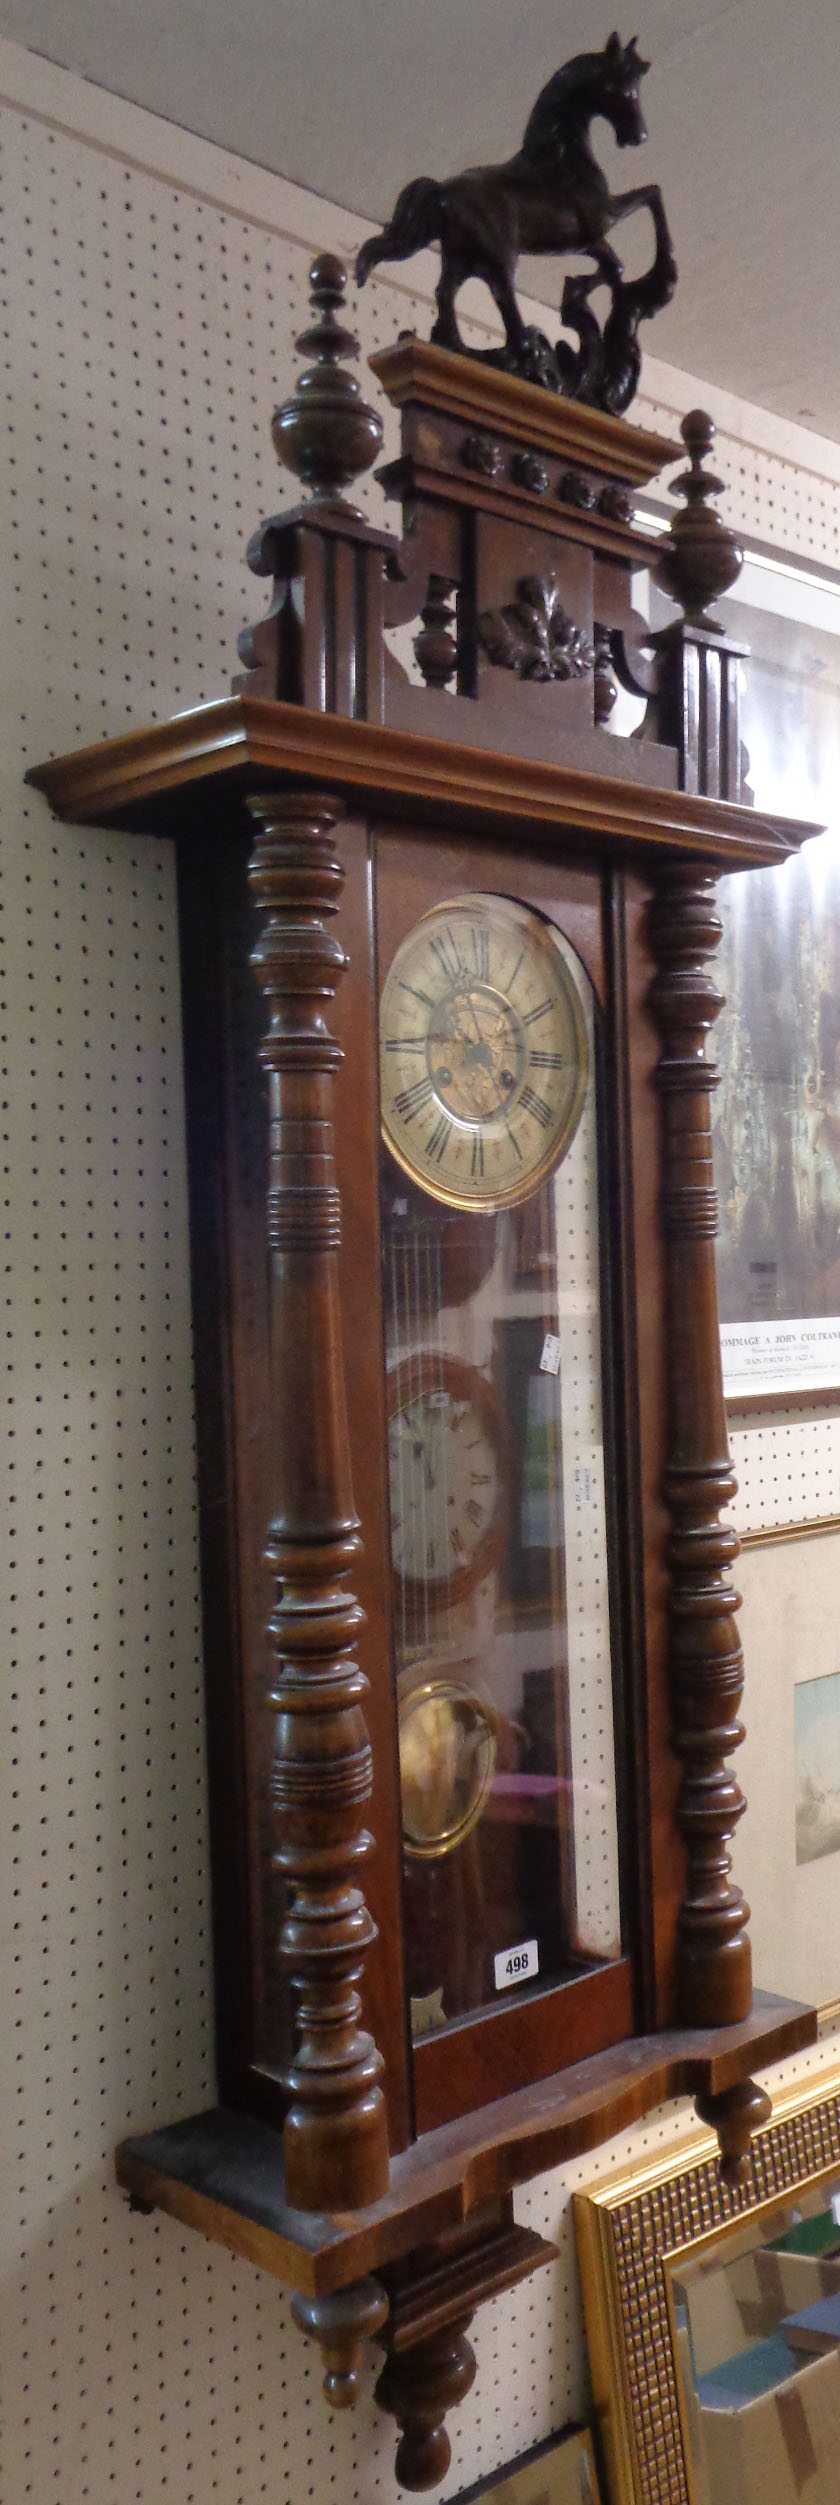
(787, 1466)
(152, 288)
(786, 498)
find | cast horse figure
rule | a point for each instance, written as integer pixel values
(552, 196)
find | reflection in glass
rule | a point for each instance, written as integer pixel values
(757, 2345)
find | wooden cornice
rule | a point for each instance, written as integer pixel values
(592, 530)
(223, 2172)
(460, 387)
(148, 780)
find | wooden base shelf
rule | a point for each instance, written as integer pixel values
(222, 2172)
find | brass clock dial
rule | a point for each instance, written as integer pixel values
(447, 1475)
(483, 1052)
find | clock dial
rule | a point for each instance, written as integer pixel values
(483, 1052)
(447, 1479)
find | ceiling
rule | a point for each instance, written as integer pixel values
(351, 97)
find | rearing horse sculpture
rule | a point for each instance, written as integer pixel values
(551, 197)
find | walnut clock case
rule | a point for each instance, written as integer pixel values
(472, 1663)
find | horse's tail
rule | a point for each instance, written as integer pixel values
(415, 223)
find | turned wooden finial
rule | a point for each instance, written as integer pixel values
(341, 2323)
(436, 646)
(701, 557)
(417, 2386)
(326, 433)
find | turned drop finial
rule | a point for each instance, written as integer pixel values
(326, 432)
(736, 2113)
(701, 557)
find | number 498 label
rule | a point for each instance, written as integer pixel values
(516, 1965)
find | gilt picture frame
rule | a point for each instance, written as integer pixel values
(640, 2234)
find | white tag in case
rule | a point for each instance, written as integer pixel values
(516, 1965)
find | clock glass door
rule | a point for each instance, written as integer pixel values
(496, 1477)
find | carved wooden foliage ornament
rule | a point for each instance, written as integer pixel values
(533, 636)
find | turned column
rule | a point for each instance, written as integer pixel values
(336, 2151)
(706, 1667)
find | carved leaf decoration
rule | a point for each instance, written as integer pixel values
(533, 635)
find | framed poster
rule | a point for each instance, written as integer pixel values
(776, 1116)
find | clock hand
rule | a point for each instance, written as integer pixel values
(420, 1454)
(475, 1047)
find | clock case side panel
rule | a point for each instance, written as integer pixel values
(205, 886)
(494, 2051)
(227, 1154)
(639, 1385)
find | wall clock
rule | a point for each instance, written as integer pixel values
(473, 1677)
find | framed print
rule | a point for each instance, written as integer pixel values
(786, 1852)
(710, 2315)
(776, 1115)
(561, 2472)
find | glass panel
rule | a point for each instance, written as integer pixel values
(496, 1464)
